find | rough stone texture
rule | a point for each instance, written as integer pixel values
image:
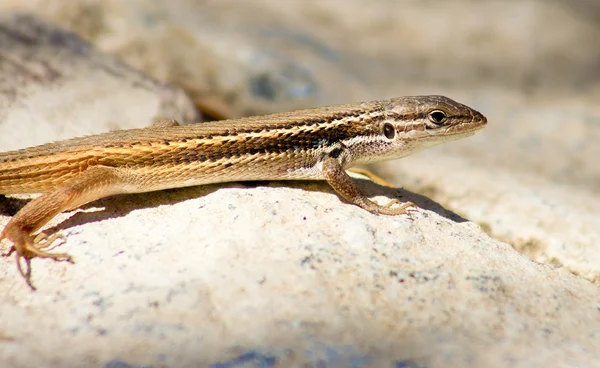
(204, 275)
(285, 274)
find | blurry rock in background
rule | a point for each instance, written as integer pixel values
(55, 86)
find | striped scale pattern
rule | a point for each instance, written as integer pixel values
(283, 146)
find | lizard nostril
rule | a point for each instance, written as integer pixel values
(480, 118)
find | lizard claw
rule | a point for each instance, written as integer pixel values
(27, 272)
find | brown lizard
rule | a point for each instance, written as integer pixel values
(314, 144)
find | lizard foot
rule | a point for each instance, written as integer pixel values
(403, 208)
(27, 247)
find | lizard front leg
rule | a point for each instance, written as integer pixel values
(345, 186)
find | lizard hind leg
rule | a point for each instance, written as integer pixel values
(94, 183)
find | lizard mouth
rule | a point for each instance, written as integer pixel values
(478, 121)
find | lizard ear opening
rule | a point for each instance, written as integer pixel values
(389, 131)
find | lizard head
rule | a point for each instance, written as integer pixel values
(432, 118)
(410, 124)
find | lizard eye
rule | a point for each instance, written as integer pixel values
(389, 131)
(437, 117)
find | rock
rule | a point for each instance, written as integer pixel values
(547, 221)
(55, 86)
(288, 272)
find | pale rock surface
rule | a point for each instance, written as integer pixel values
(546, 221)
(189, 277)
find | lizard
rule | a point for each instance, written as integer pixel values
(312, 144)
